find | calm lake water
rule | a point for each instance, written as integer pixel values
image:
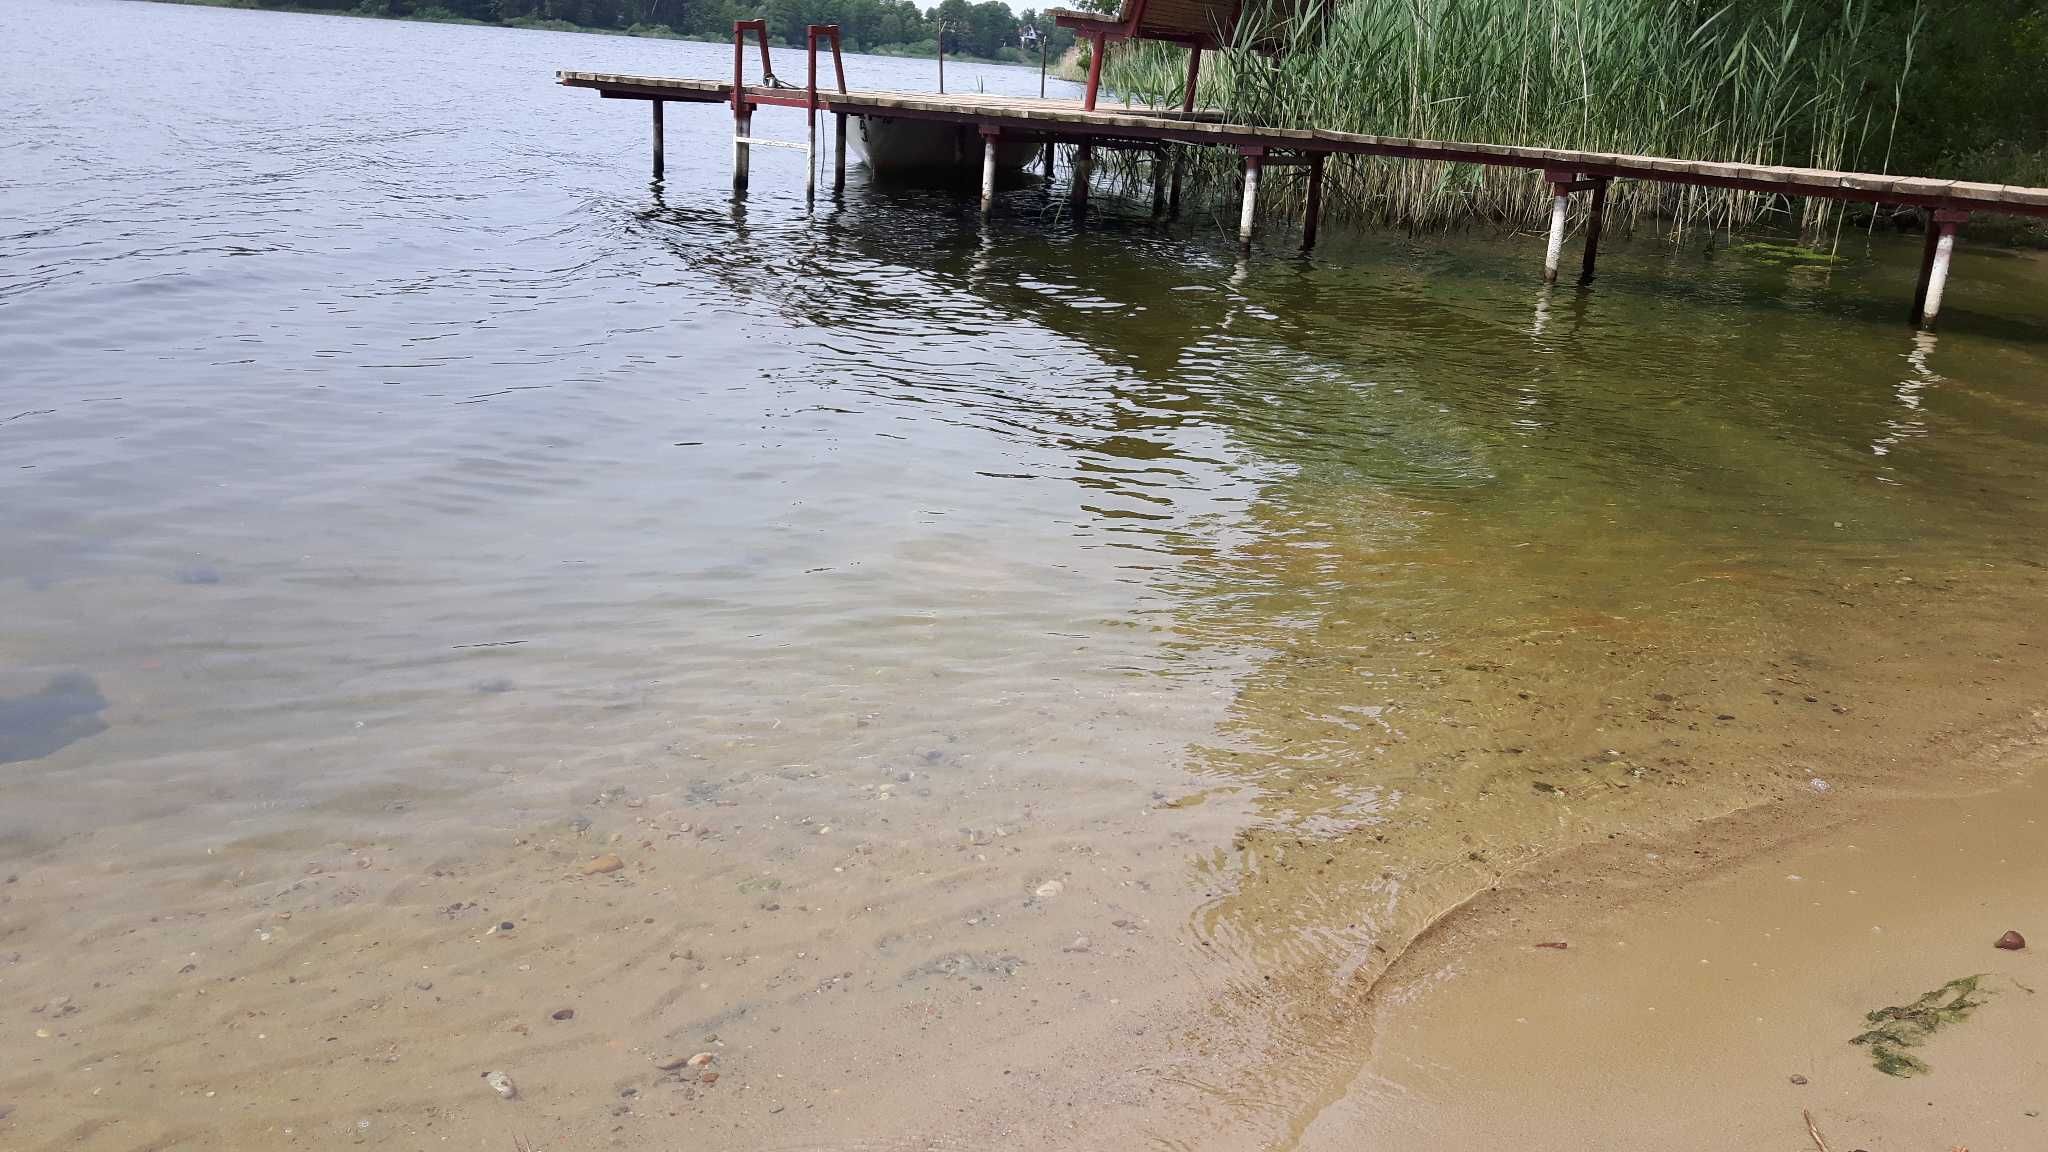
(383, 456)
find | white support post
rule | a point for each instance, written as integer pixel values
(1558, 208)
(1253, 162)
(742, 127)
(811, 157)
(988, 174)
(1937, 276)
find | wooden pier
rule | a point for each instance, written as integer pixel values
(1945, 203)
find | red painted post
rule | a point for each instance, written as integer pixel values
(739, 59)
(811, 112)
(1094, 70)
(741, 111)
(830, 31)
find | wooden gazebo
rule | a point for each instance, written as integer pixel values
(1198, 24)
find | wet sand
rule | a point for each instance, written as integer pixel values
(1709, 989)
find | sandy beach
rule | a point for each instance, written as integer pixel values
(1707, 1001)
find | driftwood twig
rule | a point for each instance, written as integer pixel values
(1813, 1131)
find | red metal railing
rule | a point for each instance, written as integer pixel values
(740, 28)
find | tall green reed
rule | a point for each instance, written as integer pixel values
(1796, 82)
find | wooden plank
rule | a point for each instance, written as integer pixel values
(1068, 119)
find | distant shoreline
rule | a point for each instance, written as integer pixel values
(528, 23)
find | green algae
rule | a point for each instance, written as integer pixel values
(1895, 1029)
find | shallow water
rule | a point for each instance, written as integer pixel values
(389, 464)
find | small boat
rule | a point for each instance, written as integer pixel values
(900, 144)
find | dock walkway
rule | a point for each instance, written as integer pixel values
(1947, 203)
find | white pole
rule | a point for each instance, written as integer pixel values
(1252, 164)
(988, 175)
(1943, 249)
(1557, 213)
(742, 127)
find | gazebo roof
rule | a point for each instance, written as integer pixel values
(1195, 23)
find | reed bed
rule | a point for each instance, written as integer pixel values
(1800, 82)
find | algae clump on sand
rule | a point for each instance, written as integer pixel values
(1893, 1030)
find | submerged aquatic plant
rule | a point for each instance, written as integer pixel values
(1893, 1030)
(1762, 82)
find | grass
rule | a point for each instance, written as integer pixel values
(1798, 82)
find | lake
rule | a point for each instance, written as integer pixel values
(1030, 676)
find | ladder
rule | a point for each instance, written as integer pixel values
(743, 139)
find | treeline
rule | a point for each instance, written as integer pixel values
(988, 29)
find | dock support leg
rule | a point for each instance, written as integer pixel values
(1187, 107)
(1558, 207)
(988, 172)
(1254, 160)
(742, 127)
(1941, 246)
(1084, 164)
(1051, 156)
(658, 138)
(838, 153)
(1312, 213)
(1594, 219)
(1159, 165)
(1096, 47)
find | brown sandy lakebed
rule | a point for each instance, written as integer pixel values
(926, 960)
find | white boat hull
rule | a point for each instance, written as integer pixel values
(893, 144)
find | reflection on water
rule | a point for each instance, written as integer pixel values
(409, 476)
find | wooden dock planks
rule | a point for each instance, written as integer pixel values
(1067, 119)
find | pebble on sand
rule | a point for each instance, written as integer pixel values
(501, 1084)
(562, 1014)
(701, 1059)
(1798, 1079)
(1050, 889)
(600, 865)
(2012, 941)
